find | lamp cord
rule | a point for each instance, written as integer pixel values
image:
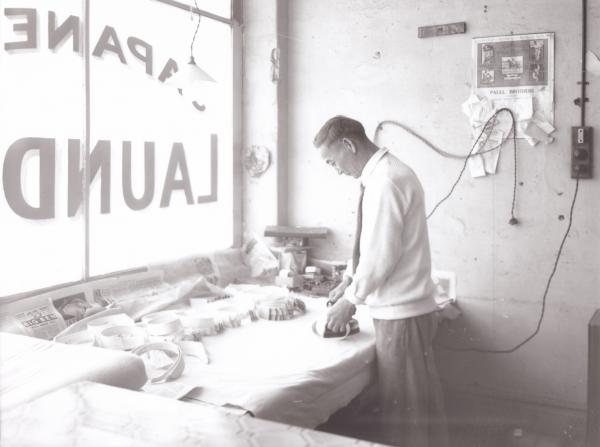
(195, 32)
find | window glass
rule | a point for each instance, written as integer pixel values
(169, 155)
(221, 8)
(42, 122)
(161, 162)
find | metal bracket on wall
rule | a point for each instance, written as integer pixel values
(275, 58)
(577, 101)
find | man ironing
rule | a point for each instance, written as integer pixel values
(390, 271)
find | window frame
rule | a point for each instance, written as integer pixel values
(235, 24)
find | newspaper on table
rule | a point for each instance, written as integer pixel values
(35, 316)
(139, 294)
(183, 269)
(49, 313)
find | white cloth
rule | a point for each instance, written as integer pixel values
(31, 367)
(281, 371)
(393, 275)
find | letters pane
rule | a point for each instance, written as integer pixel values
(42, 116)
(161, 161)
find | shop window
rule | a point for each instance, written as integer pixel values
(92, 100)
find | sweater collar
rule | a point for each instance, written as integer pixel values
(367, 171)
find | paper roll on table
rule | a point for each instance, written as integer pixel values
(125, 337)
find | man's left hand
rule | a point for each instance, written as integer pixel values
(339, 315)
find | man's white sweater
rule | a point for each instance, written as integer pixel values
(393, 275)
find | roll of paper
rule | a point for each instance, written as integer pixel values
(95, 327)
(124, 337)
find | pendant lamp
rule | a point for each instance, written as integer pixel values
(190, 72)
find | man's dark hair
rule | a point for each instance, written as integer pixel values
(339, 127)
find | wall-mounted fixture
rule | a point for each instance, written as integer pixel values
(582, 148)
(257, 160)
(442, 30)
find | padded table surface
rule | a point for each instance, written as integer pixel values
(89, 414)
(282, 371)
(31, 367)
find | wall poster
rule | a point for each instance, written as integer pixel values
(517, 72)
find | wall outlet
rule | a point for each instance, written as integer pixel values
(445, 286)
(582, 153)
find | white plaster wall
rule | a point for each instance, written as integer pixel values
(260, 114)
(362, 58)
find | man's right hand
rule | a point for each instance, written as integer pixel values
(336, 293)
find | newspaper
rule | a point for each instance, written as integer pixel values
(48, 314)
(114, 290)
(184, 269)
(36, 317)
(138, 294)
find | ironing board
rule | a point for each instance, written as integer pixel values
(281, 371)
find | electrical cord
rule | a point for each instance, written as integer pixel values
(195, 33)
(490, 123)
(513, 220)
(544, 297)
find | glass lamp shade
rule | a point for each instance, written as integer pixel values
(189, 74)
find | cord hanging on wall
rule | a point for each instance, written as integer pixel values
(190, 73)
(489, 125)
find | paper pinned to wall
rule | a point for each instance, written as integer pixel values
(531, 125)
(492, 150)
(480, 110)
(541, 121)
(487, 153)
(477, 109)
(522, 107)
(516, 72)
(537, 129)
(476, 166)
(536, 133)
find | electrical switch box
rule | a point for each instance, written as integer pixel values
(582, 153)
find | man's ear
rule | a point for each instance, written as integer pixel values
(349, 145)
